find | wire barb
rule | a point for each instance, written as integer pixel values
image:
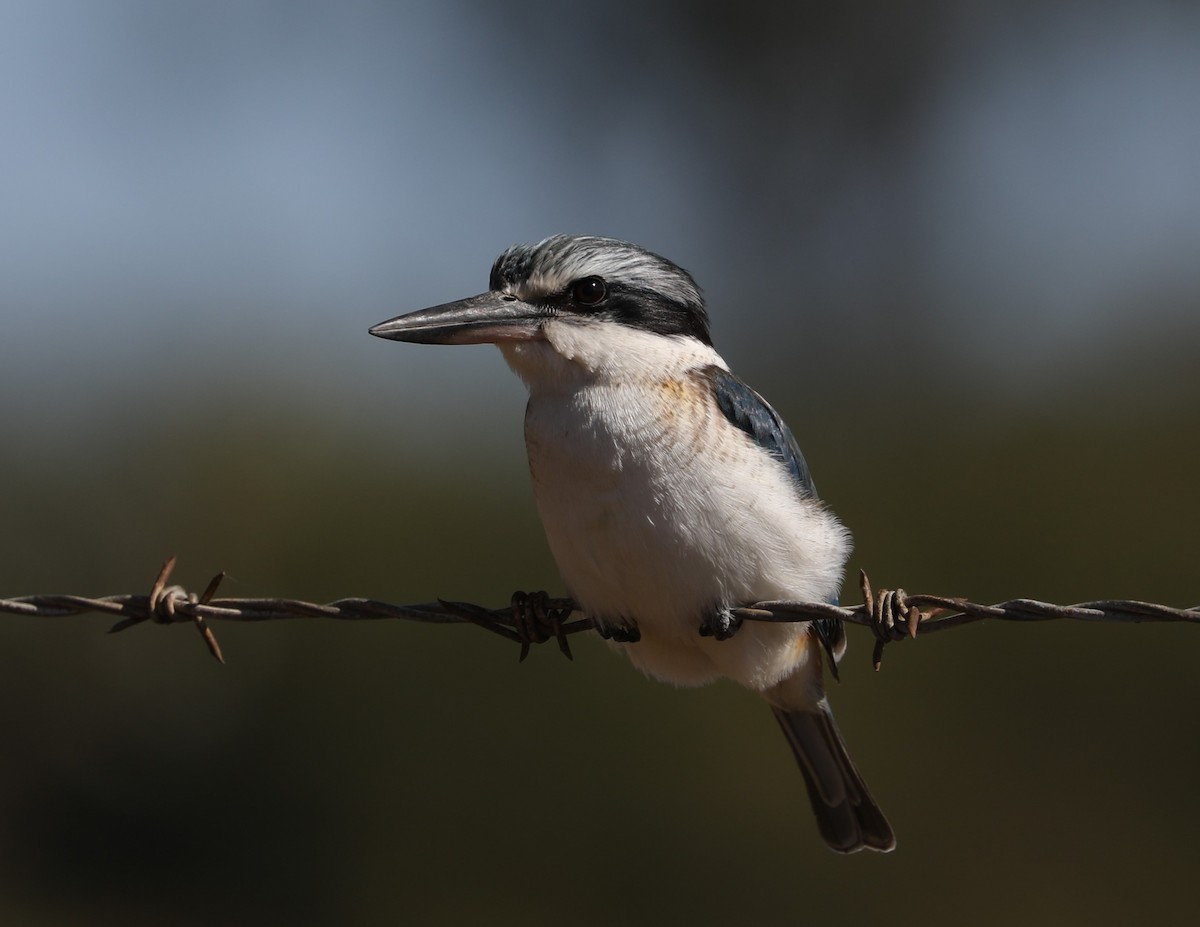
(886, 611)
(535, 618)
(170, 604)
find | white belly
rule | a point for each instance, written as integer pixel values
(659, 512)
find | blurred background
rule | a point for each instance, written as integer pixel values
(955, 244)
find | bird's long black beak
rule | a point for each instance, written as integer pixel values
(486, 318)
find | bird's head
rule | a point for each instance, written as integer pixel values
(572, 280)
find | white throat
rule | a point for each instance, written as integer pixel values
(579, 351)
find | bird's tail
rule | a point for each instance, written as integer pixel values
(847, 816)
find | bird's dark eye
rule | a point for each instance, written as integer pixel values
(589, 291)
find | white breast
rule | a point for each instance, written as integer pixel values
(658, 511)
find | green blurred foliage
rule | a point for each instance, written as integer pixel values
(356, 773)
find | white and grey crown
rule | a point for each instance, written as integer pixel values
(642, 289)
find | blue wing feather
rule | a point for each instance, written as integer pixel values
(752, 414)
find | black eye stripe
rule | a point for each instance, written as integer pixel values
(636, 305)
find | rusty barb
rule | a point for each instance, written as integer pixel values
(535, 618)
(164, 601)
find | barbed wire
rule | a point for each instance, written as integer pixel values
(892, 614)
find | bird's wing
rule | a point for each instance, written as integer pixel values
(754, 415)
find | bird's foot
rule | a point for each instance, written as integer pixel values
(625, 633)
(720, 625)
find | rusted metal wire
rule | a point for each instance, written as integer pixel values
(536, 618)
(894, 615)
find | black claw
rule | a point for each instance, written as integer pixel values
(720, 625)
(621, 634)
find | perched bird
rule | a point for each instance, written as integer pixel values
(670, 491)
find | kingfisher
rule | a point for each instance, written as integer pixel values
(670, 492)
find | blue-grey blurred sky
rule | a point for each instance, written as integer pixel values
(200, 191)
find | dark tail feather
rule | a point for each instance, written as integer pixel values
(848, 818)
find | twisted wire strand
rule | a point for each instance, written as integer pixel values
(892, 614)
